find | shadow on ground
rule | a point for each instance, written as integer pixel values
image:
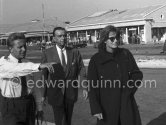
(161, 120)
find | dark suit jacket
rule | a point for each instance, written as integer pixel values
(74, 67)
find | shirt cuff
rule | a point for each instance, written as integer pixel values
(36, 66)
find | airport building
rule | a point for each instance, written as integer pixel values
(141, 25)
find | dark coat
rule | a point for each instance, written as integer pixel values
(73, 68)
(114, 99)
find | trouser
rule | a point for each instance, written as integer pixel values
(58, 114)
(68, 111)
(63, 114)
(18, 111)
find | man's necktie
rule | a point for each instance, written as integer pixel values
(64, 66)
(24, 91)
(63, 59)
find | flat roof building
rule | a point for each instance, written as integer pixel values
(148, 24)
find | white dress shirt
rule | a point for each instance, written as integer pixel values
(10, 70)
(59, 53)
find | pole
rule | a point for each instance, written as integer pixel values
(1, 18)
(43, 17)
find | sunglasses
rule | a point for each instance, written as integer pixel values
(61, 36)
(112, 38)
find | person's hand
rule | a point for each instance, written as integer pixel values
(85, 94)
(48, 66)
(99, 116)
(40, 115)
(44, 101)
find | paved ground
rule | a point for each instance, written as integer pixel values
(152, 101)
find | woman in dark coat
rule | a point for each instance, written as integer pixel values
(114, 78)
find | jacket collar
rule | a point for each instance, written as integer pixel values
(106, 56)
(11, 58)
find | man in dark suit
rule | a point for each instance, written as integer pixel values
(69, 66)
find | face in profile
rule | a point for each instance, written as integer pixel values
(112, 41)
(18, 50)
(60, 38)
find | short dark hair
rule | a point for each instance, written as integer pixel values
(58, 28)
(104, 34)
(14, 36)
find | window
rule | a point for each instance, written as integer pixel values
(162, 16)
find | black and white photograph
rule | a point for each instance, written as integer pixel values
(82, 62)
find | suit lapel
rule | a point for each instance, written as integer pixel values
(55, 55)
(56, 58)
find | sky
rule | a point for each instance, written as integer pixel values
(23, 11)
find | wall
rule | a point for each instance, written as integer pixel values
(148, 32)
